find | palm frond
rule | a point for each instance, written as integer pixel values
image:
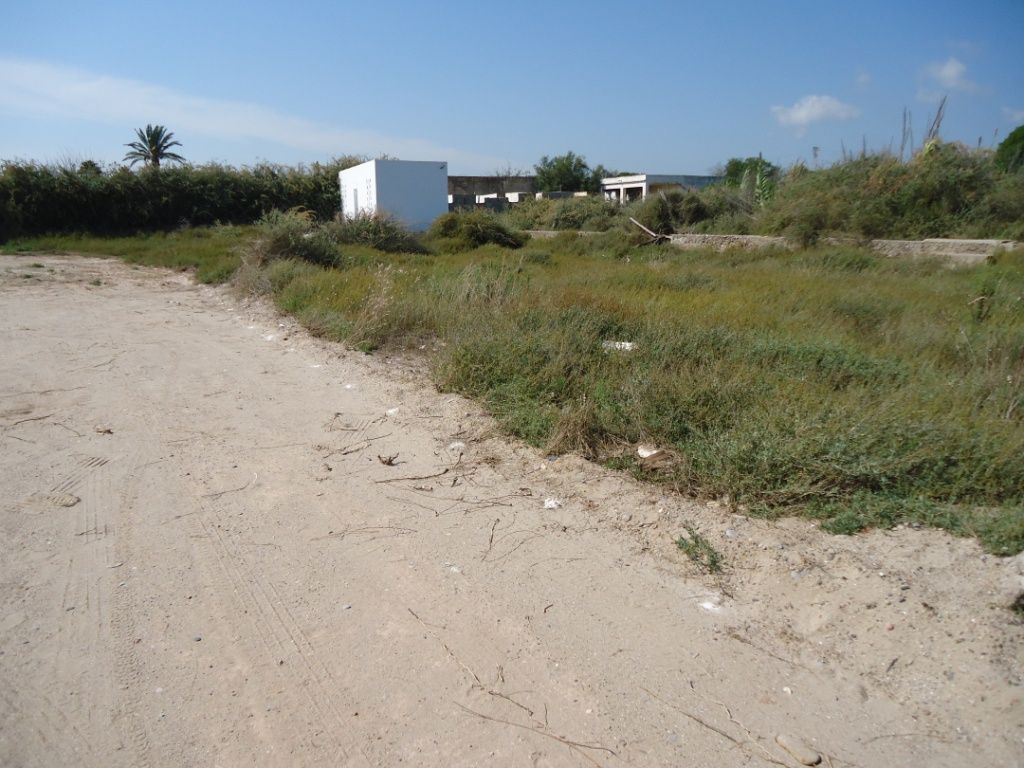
(152, 146)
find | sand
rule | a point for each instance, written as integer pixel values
(226, 543)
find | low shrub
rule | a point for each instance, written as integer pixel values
(295, 234)
(384, 233)
(593, 214)
(460, 231)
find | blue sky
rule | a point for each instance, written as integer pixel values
(662, 87)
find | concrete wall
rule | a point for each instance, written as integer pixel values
(485, 185)
(413, 191)
(953, 252)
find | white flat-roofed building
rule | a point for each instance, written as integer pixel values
(413, 191)
(625, 189)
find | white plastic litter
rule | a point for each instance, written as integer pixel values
(552, 503)
(617, 346)
(457, 447)
(350, 386)
(391, 412)
(269, 337)
(646, 451)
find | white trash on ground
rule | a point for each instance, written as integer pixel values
(617, 346)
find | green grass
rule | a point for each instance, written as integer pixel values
(829, 383)
(700, 550)
(213, 252)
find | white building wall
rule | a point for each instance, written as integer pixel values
(413, 191)
(358, 189)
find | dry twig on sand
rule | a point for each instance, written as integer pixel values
(577, 745)
(764, 754)
(218, 494)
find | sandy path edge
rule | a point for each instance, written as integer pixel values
(224, 573)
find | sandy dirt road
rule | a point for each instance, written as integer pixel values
(203, 562)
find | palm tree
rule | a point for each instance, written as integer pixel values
(153, 146)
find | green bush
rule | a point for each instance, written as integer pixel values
(947, 190)
(531, 214)
(655, 213)
(677, 210)
(37, 198)
(1009, 155)
(593, 213)
(378, 231)
(459, 230)
(295, 234)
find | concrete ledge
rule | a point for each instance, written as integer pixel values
(954, 251)
(725, 242)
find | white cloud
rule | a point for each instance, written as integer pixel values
(1014, 115)
(813, 109)
(950, 74)
(31, 88)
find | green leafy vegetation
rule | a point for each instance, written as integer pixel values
(461, 231)
(827, 382)
(569, 173)
(1009, 155)
(833, 383)
(700, 550)
(152, 147)
(46, 199)
(945, 190)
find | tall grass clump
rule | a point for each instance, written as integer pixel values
(376, 230)
(832, 383)
(945, 190)
(461, 231)
(296, 234)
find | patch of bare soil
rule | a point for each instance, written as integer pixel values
(227, 543)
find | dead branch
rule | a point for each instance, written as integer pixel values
(750, 737)
(655, 237)
(218, 494)
(510, 700)
(490, 543)
(449, 651)
(340, 535)
(42, 391)
(24, 421)
(356, 446)
(421, 621)
(725, 735)
(554, 736)
(413, 477)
